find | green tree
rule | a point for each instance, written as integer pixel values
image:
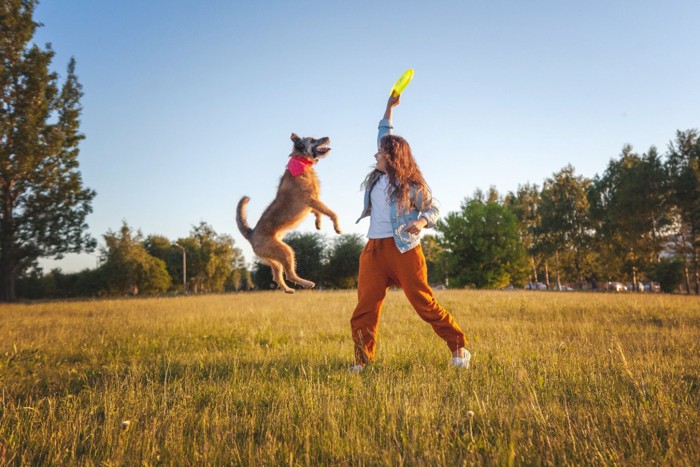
(56, 284)
(164, 249)
(525, 204)
(683, 164)
(668, 272)
(43, 204)
(483, 244)
(128, 269)
(211, 259)
(309, 250)
(343, 261)
(159, 247)
(435, 260)
(309, 253)
(261, 275)
(631, 207)
(565, 231)
(239, 279)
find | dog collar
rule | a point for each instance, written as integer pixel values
(297, 165)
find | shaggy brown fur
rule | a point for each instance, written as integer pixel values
(296, 197)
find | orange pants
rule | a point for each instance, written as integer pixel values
(381, 266)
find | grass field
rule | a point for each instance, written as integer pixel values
(261, 378)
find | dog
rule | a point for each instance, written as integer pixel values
(297, 196)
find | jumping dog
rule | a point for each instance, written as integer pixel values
(297, 196)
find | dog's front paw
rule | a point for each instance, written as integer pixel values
(337, 230)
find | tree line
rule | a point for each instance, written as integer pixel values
(203, 262)
(637, 222)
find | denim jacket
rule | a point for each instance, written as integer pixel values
(400, 219)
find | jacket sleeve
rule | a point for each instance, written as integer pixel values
(428, 210)
(385, 127)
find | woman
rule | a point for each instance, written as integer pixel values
(399, 204)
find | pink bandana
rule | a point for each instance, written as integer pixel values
(297, 165)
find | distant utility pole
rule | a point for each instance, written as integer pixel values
(184, 268)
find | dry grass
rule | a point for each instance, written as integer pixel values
(261, 378)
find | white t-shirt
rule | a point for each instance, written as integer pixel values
(380, 215)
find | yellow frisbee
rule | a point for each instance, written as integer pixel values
(402, 82)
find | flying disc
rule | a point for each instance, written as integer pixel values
(402, 82)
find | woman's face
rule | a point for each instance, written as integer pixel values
(380, 156)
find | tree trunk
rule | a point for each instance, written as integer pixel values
(534, 274)
(7, 271)
(546, 274)
(694, 245)
(633, 260)
(695, 271)
(8, 264)
(558, 278)
(687, 279)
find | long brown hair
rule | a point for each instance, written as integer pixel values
(402, 172)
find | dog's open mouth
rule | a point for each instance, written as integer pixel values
(323, 147)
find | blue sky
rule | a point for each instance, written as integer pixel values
(189, 105)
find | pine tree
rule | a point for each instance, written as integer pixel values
(683, 166)
(43, 204)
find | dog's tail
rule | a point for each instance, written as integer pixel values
(241, 218)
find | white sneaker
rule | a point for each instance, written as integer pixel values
(356, 369)
(462, 362)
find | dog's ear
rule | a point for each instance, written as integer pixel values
(298, 143)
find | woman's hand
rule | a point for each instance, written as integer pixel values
(416, 226)
(393, 101)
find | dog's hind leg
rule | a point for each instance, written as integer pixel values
(285, 255)
(277, 275)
